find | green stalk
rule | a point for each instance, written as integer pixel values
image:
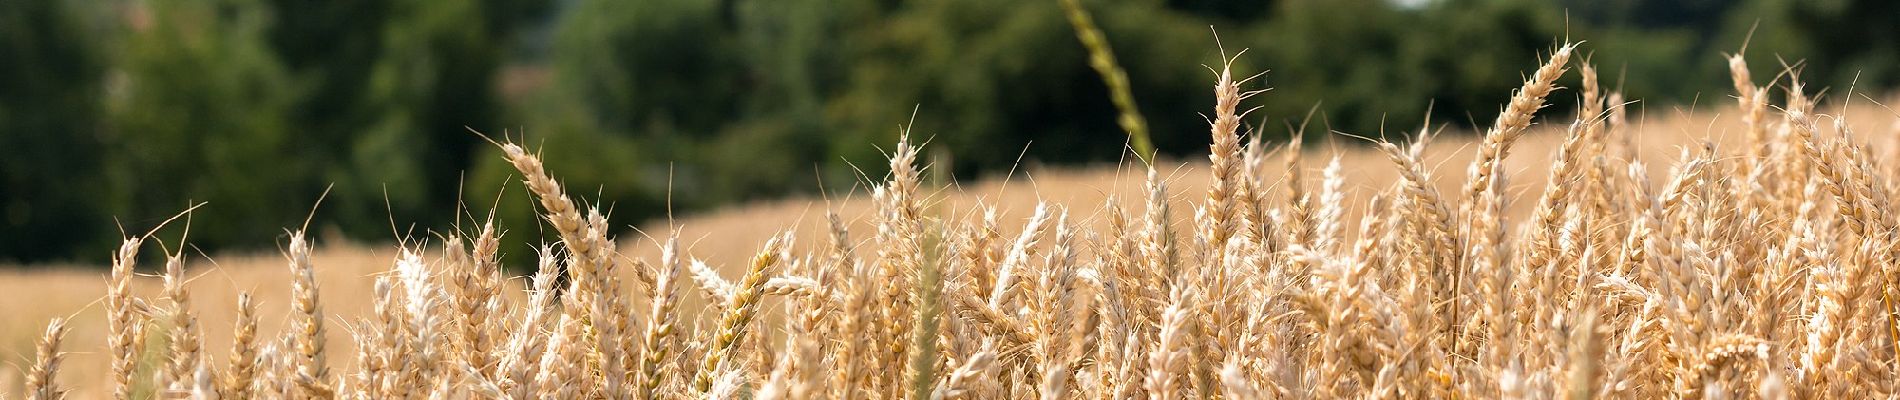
(1102, 58)
(928, 297)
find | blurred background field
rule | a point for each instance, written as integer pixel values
(120, 113)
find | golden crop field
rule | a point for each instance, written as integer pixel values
(1741, 249)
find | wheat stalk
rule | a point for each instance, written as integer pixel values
(127, 334)
(739, 312)
(312, 375)
(241, 374)
(660, 321)
(39, 380)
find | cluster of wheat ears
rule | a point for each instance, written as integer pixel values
(1765, 272)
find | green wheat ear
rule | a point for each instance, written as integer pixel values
(1102, 58)
(152, 357)
(928, 297)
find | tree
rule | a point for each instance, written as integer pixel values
(200, 116)
(49, 113)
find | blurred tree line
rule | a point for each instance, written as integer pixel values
(124, 112)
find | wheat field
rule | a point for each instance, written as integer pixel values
(1735, 250)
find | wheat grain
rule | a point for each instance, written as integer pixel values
(126, 335)
(739, 312)
(313, 374)
(660, 321)
(39, 380)
(242, 371)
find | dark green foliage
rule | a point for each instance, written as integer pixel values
(132, 111)
(222, 139)
(50, 142)
(1849, 38)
